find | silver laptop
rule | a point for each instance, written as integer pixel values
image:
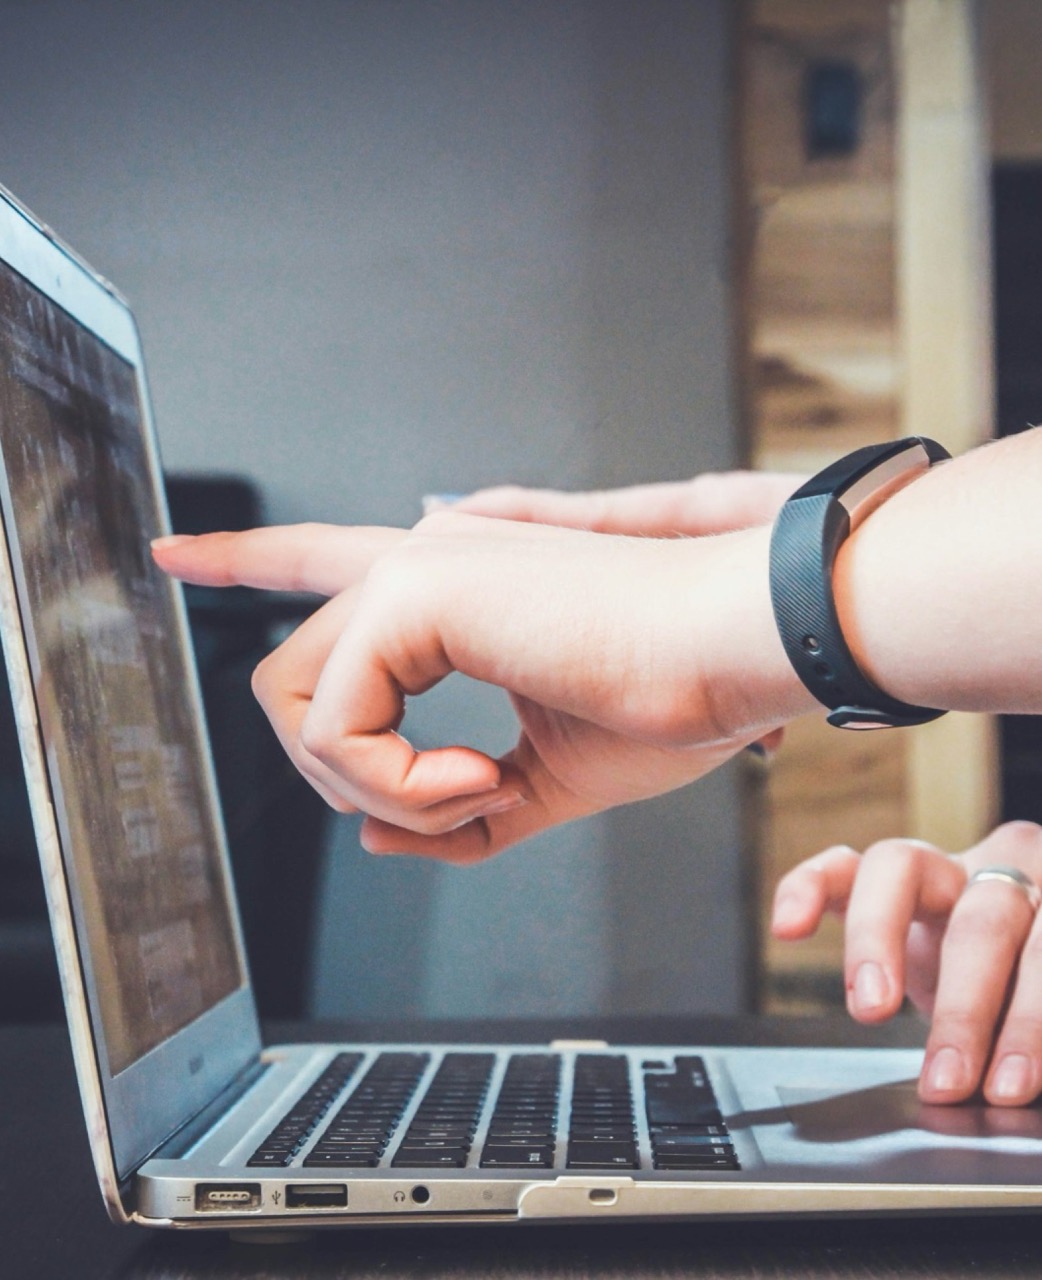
(191, 1122)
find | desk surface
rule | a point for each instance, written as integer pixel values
(53, 1224)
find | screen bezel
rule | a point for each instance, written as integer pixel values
(134, 1111)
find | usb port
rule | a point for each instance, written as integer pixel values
(227, 1197)
(316, 1195)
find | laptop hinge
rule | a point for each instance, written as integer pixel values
(189, 1133)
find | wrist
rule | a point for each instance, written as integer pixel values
(903, 611)
(747, 682)
(810, 532)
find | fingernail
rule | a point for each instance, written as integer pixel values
(512, 800)
(1013, 1079)
(503, 804)
(871, 988)
(170, 540)
(947, 1071)
(433, 501)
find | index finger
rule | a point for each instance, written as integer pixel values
(899, 881)
(324, 558)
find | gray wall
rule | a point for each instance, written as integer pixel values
(379, 249)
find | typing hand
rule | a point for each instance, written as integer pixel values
(968, 955)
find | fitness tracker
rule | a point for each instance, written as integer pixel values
(810, 529)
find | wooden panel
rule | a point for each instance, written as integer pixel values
(822, 336)
(866, 317)
(824, 788)
(944, 292)
(820, 295)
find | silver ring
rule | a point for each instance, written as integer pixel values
(1013, 876)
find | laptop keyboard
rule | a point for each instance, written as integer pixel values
(522, 1132)
(296, 1127)
(359, 1132)
(685, 1127)
(441, 1132)
(601, 1133)
(684, 1121)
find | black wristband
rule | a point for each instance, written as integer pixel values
(807, 535)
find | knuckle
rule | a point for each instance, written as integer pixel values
(835, 852)
(893, 849)
(297, 568)
(316, 739)
(1023, 1028)
(507, 492)
(813, 869)
(401, 574)
(600, 511)
(337, 803)
(1021, 836)
(958, 1024)
(439, 524)
(708, 480)
(884, 851)
(656, 722)
(798, 876)
(262, 680)
(901, 857)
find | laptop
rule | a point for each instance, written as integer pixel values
(192, 1122)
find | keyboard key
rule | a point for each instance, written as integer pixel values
(692, 1162)
(602, 1155)
(681, 1109)
(705, 1129)
(689, 1142)
(448, 1159)
(517, 1157)
(413, 1145)
(544, 1139)
(270, 1159)
(342, 1160)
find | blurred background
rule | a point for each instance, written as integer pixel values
(384, 248)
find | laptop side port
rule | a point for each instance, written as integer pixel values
(316, 1195)
(227, 1197)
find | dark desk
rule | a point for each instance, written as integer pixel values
(53, 1226)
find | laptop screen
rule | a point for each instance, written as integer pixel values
(113, 689)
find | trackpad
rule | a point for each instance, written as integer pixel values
(820, 1115)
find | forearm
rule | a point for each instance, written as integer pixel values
(635, 664)
(939, 592)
